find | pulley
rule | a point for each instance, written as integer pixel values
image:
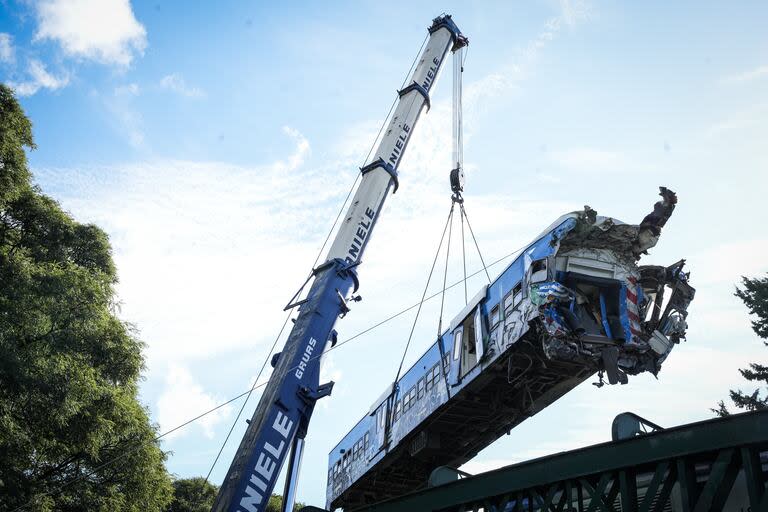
(457, 181)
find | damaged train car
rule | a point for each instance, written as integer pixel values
(572, 304)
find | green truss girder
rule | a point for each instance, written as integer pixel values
(603, 477)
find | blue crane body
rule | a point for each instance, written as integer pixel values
(279, 424)
(572, 303)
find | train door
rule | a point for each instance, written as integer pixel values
(379, 413)
(382, 431)
(467, 348)
(479, 333)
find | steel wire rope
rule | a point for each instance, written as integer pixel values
(445, 272)
(471, 232)
(464, 261)
(421, 302)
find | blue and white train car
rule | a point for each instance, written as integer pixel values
(574, 302)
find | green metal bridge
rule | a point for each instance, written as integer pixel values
(719, 464)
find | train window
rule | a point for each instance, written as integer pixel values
(398, 410)
(432, 376)
(508, 303)
(456, 344)
(517, 294)
(407, 401)
(539, 271)
(494, 317)
(366, 441)
(420, 389)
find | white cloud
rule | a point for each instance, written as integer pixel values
(748, 76)
(131, 89)
(573, 12)
(508, 76)
(590, 159)
(727, 262)
(39, 78)
(740, 123)
(296, 159)
(223, 224)
(126, 117)
(128, 120)
(7, 51)
(176, 83)
(183, 399)
(104, 31)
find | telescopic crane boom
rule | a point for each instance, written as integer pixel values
(282, 416)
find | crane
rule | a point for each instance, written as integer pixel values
(278, 427)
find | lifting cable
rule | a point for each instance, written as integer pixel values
(423, 298)
(464, 215)
(463, 258)
(445, 272)
(256, 386)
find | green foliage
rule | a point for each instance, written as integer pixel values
(69, 367)
(275, 504)
(755, 297)
(15, 134)
(192, 495)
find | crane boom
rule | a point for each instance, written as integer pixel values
(282, 416)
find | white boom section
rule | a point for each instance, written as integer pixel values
(379, 174)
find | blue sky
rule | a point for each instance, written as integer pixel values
(216, 143)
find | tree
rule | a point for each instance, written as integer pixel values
(73, 435)
(275, 504)
(755, 297)
(193, 495)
